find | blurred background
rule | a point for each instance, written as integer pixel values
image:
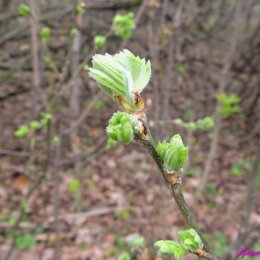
(64, 192)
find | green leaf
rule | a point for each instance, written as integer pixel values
(176, 154)
(24, 10)
(228, 104)
(136, 242)
(124, 24)
(206, 123)
(190, 239)
(80, 9)
(45, 33)
(74, 185)
(139, 69)
(161, 149)
(99, 41)
(192, 126)
(22, 131)
(73, 32)
(35, 125)
(178, 121)
(25, 242)
(169, 247)
(46, 118)
(124, 256)
(123, 75)
(181, 68)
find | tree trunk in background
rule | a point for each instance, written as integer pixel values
(35, 46)
(224, 81)
(75, 99)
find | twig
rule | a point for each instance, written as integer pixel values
(173, 181)
(56, 199)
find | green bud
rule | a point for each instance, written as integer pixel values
(45, 33)
(128, 132)
(190, 239)
(47, 59)
(35, 125)
(79, 9)
(169, 247)
(111, 143)
(99, 41)
(55, 140)
(122, 127)
(122, 75)
(46, 118)
(74, 185)
(24, 10)
(181, 68)
(178, 121)
(22, 131)
(73, 32)
(111, 132)
(192, 126)
(174, 154)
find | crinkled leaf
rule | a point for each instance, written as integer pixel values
(139, 69)
(190, 239)
(169, 247)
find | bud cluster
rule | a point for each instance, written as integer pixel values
(122, 127)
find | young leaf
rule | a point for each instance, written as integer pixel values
(136, 241)
(124, 24)
(122, 76)
(24, 10)
(190, 239)
(35, 125)
(174, 154)
(169, 247)
(25, 242)
(22, 131)
(45, 33)
(74, 185)
(124, 256)
(99, 41)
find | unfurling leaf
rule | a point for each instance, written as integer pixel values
(173, 154)
(122, 76)
(190, 239)
(169, 247)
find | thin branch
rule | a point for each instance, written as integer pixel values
(173, 181)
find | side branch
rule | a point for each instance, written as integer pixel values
(173, 180)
